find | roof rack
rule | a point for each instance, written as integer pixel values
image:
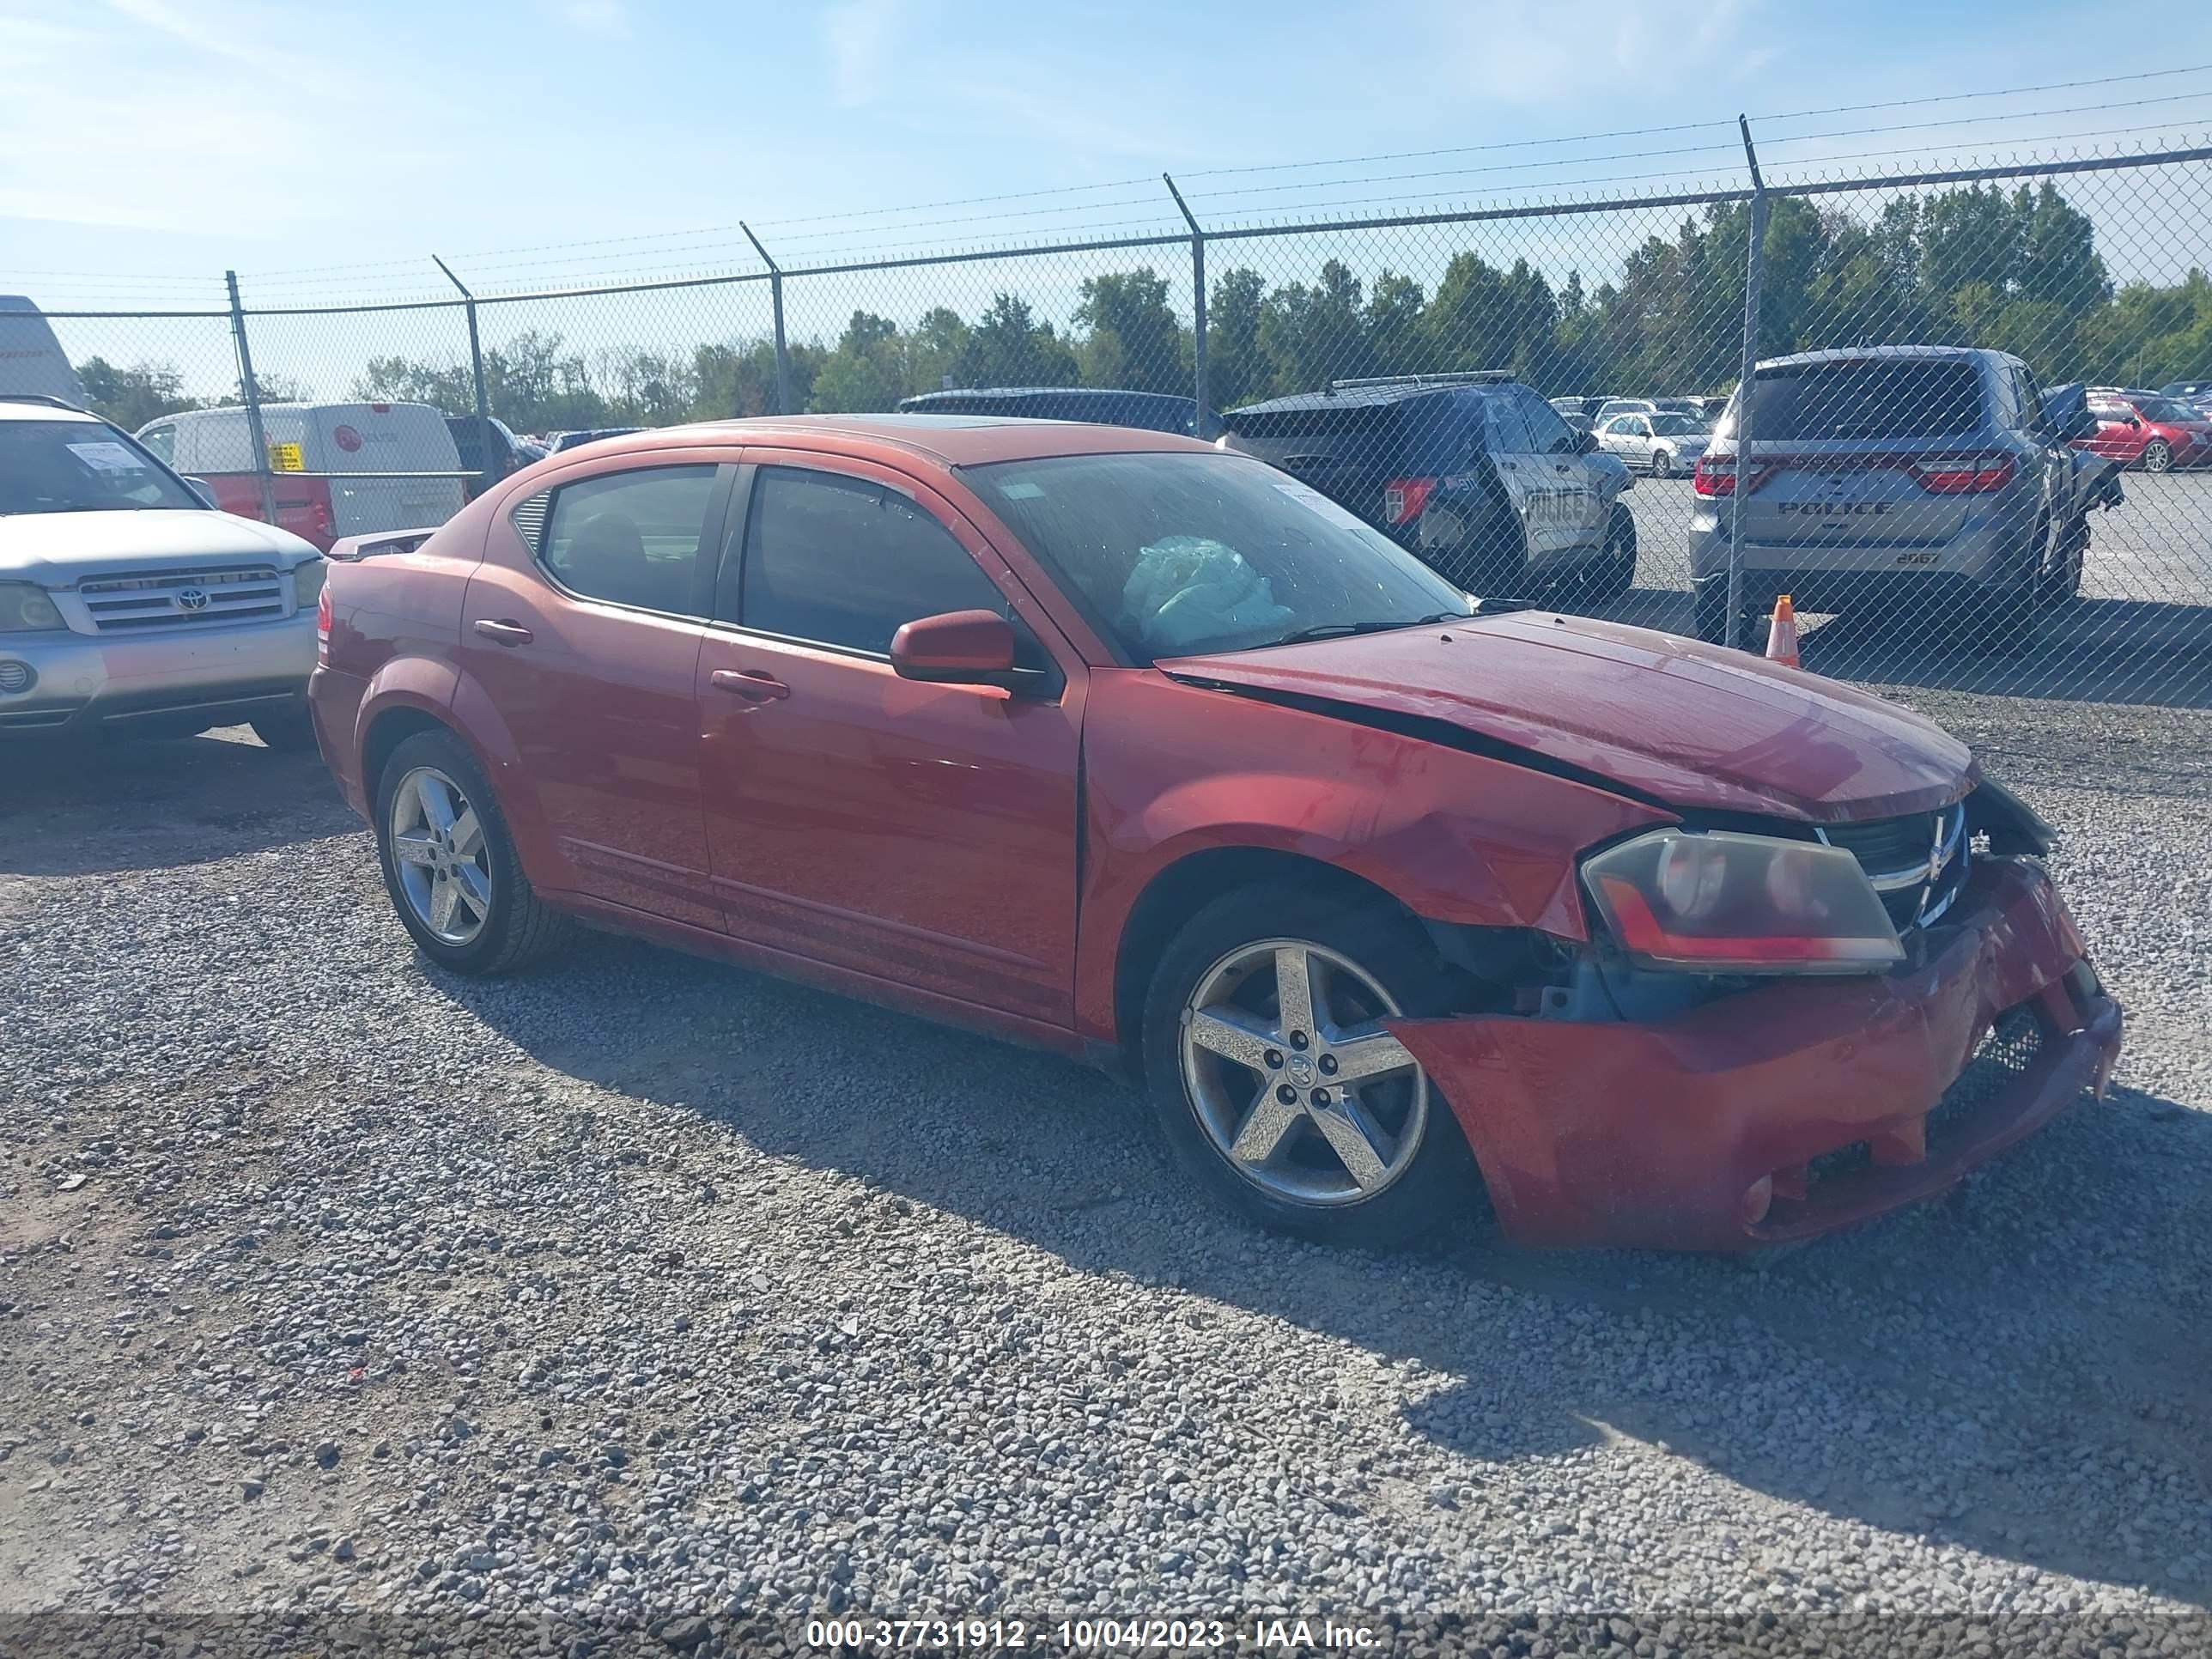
(45, 397)
(1462, 377)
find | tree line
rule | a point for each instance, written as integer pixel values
(2017, 270)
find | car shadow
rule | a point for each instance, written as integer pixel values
(98, 806)
(1960, 1371)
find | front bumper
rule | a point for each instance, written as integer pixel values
(1731, 1126)
(170, 680)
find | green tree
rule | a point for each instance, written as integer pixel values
(867, 371)
(1009, 347)
(1237, 369)
(131, 396)
(1316, 335)
(1134, 339)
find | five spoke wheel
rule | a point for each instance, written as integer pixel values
(439, 849)
(1294, 1077)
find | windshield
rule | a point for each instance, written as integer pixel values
(1677, 426)
(1176, 552)
(79, 467)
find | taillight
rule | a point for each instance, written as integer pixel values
(1404, 498)
(1715, 476)
(325, 521)
(1975, 475)
(323, 624)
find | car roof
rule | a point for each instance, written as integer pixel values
(1861, 354)
(21, 406)
(946, 440)
(1368, 397)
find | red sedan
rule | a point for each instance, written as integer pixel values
(2147, 429)
(1111, 741)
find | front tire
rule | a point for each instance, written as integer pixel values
(2158, 456)
(450, 865)
(1275, 1082)
(1662, 463)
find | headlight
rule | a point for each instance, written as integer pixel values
(1726, 903)
(307, 581)
(25, 608)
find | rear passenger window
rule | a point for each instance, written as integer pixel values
(631, 537)
(836, 560)
(1508, 433)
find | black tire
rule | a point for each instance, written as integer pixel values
(1614, 572)
(2157, 455)
(1438, 1186)
(1488, 558)
(2062, 581)
(1711, 612)
(291, 732)
(519, 928)
(1662, 463)
(2009, 618)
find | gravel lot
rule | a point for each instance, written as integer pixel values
(644, 1289)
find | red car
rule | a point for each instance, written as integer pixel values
(2147, 429)
(1111, 741)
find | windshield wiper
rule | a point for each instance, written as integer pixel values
(1335, 630)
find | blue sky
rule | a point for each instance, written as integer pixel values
(145, 144)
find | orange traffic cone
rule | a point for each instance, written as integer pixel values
(1781, 633)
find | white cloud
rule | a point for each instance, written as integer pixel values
(610, 17)
(1518, 51)
(859, 35)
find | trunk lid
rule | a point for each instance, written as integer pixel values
(1687, 723)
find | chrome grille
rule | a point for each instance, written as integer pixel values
(182, 598)
(1916, 862)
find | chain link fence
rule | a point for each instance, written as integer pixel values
(1981, 487)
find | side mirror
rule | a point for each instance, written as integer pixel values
(960, 647)
(202, 489)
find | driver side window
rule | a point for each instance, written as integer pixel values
(1547, 432)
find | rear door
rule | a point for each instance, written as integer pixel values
(1838, 451)
(372, 449)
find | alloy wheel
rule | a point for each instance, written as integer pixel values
(2157, 455)
(1293, 1078)
(1662, 463)
(440, 854)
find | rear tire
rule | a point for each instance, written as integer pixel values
(1488, 558)
(515, 927)
(1613, 574)
(1363, 959)
(1711, 612)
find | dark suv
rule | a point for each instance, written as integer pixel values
(1474, 473)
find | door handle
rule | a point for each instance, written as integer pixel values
(504, 633)
(753, 684)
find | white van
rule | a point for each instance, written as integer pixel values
(323, 461)
(31, 360)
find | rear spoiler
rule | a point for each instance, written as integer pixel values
(351, 550)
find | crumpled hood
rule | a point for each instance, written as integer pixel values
(1687, 724)
(57, 548)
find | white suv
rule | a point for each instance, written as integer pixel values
(129, 604)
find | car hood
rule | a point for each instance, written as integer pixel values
(57, 548)
(1688, 725)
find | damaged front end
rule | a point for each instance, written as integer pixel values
(1707, 1072)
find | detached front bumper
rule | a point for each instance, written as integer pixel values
(1792, 1109)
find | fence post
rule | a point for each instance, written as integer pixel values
(486, 477)
(1755, 267)
(776, 299)
(1199, 389)
(251, 393)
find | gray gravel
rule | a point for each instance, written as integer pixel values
(645, 1289)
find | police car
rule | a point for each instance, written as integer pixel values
(1473, 472)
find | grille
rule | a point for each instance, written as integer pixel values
(182, 598)
(2003, 1054)
(1895, 853)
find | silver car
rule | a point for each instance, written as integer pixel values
(1662, 444)
(1930, 481)
(129, 604)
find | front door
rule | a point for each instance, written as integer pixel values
(1575, 500)
(582, 629)
(920, 834)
